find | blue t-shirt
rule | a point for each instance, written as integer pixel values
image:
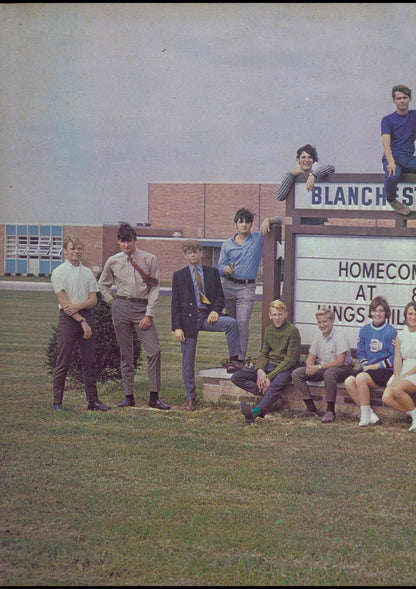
(402, 130)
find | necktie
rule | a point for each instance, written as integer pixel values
(149, 280)
(202, 296)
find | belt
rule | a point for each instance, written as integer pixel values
(132, 299)
(240, 280)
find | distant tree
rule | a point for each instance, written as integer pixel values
(107, 350)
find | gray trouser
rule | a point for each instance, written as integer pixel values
(331, 376)
(126, 316)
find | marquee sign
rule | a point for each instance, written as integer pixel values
(353, 196)
(345, 273)
(343, 246)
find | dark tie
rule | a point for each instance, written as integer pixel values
(149, 280)
(202, 296)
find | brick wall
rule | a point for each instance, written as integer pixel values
(198, 210)
(92, 237)
(207, 210)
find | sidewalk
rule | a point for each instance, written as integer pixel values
(165, 291)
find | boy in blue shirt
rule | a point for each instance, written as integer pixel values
(398, 134)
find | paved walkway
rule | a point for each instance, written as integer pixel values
(165, 291)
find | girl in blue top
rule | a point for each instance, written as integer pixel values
(375, 352)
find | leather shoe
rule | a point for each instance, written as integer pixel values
(190, 405)
(159, 404)
(98, 406)
(247, 412)
(234, 366)
(58, 407)
(127, 402)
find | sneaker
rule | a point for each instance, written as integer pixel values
(412, 428)
(58, 407)
(306, 413)
(364, 422)
(374, 419)
(247, 412)
(400, 207)
(329, 417)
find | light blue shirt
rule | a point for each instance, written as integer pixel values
(246, 257)
(198, 298)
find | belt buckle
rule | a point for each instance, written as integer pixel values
(129, 298)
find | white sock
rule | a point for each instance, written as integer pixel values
(412, 414)
(365, 411)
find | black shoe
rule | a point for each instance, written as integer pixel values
(58, 407)
(159, 404)
(98, 406)
(247, 412)
(278, 405)
(127, 402)
(234, 366)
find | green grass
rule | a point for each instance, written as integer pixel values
(140, 497)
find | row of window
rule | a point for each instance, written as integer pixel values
(33, 249)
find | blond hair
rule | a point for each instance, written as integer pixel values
(71, 238)
(277, 304)
(325, 311)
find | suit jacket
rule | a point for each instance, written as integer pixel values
(184, 306)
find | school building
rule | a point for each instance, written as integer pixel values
(176, 211)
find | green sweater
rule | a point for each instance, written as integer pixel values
(281, 347)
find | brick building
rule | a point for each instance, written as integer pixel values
(177, 211)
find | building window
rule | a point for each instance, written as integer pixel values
(33, 249)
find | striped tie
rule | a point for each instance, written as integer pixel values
(202, 296)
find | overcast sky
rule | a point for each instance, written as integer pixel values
(98, 100)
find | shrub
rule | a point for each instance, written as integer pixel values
(107, 351)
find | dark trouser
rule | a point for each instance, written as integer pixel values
(225, 324)
(246, 379)
(126, 316)
(331, 377)
(390, 183)
(70, 331)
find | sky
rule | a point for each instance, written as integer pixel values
(98, 100)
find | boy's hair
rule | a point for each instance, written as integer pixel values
(325, 311)
(243, 214)
(192, 245)
(309, 149)
(126, 233)
(401, 88)
(277, 304)
(380, 301)
(407, 307)
(71, 238)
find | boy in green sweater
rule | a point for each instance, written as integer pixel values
(279, 356)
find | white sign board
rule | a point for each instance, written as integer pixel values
(343, 196)
(345, 273)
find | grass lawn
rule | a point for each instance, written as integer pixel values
(141, 497)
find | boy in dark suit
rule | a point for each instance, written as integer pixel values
(197, 302)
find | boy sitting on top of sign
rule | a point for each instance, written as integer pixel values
(329, 359)
(398, 134)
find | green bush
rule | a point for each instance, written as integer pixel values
(107, 351)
